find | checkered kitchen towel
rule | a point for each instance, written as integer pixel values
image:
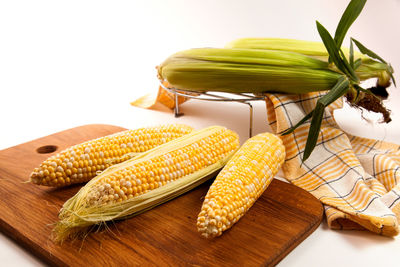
(357, 179)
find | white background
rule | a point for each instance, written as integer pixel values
(69, 63)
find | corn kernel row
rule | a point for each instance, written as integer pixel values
(82, 162)
(144, 176)
(147, 180)
(240, 183)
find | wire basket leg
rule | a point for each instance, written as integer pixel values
(251, 119)
(176, 109)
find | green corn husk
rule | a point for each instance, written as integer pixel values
(261, 65)
(209, 148)
(368, 69)
(309, 48)
(247, 70)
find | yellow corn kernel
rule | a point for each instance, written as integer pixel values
(148, 179)
(240, 183)
(80, 163)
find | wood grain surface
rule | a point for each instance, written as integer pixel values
(164, 236)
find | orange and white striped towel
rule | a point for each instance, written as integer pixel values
(357, 179)
(163, 97)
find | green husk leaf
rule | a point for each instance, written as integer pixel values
(328, 100)
(351, 13)
(367, 51)
(392, 77)
(351, 55)
(335, 53)
(372, 54)
(360, 89)
(349, 67)
(314, 130)
(358, 93)
(303, 120)
(357, 63)
(341, 87)
(332, 48)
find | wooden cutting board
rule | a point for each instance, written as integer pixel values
(165, 236)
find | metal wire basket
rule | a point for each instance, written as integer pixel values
(244, 98)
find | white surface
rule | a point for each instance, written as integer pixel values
(68, 63)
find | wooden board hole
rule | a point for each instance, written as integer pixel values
(46, 149)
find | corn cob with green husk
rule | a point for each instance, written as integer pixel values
(293, 67)
(309, 48)
(368, 68)
(246, 70)
(147, 180)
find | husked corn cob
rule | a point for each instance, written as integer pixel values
(247, 70)
(82, 162)
(240, 183)
(147, 180)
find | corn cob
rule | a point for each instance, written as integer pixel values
(309, 48)
(286, 70)
(147, 180)
(369, 68)
(240, 183)
(246, 70)
(241, 70)
(82, 162)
